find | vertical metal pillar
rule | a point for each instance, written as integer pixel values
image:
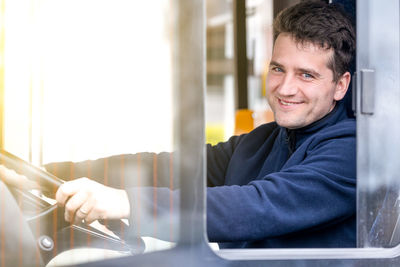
(189, 88)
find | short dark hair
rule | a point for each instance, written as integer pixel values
(326, 25)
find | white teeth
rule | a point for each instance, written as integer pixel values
(287, 103)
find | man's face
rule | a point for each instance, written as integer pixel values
(300, 86)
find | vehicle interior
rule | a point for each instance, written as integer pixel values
(169, 76)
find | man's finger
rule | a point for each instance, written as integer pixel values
(68, 189)
(84, 210)
(74, 203)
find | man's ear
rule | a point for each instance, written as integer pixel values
(341, 86)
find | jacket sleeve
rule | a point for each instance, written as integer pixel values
(218, 158)
(122, 171)
(319, 191)
(145, 168)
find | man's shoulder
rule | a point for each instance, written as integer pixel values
(344, 126)
(265, 128)
(342, 130)
(257, 136)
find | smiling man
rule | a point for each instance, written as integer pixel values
(289, 183)
(297, 175)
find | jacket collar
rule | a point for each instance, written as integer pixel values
(295, 137)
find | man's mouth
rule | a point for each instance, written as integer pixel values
(288, 103)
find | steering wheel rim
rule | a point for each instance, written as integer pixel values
(47, 224)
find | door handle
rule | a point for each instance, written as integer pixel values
(367, 89)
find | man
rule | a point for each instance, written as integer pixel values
(290, 183)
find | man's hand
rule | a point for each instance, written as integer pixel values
(89, 200)
(12, 178)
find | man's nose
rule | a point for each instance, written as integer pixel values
(288, 85)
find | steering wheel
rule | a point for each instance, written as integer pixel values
(43, 230)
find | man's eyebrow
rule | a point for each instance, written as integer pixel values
(274, 63)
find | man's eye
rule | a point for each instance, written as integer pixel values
(277, 69)
(307, 76)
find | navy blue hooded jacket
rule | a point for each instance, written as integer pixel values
(283, 188)
(271, 188)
